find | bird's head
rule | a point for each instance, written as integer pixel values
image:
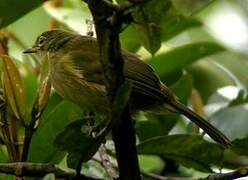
(49, 41)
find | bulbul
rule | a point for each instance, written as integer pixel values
(77, 75)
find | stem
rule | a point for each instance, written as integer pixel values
(108, 23)
(6, 133)
(27, 142)
(125, 146)
(15, 139)
(21, 169)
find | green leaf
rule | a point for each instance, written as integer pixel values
(174, 23)
(240, 146)
(179, 57)
(14, 9)
(232, 121)
(13, 87)
(56, 116)
(129, 39)
(150, 163)
(75, 139)
(189, 150)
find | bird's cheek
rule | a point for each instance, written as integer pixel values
(41, 54)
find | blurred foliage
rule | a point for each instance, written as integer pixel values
(173, 37)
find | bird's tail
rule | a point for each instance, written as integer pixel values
(213, 132)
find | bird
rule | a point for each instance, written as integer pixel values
(77, 75)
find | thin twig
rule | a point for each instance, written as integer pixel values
(105, 161)
(39, 170)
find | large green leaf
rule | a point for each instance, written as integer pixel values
(179, 57)
(10, 10)
(57, 115)
(189, 150)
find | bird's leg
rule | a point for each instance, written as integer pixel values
(91, 123)
(95, 127)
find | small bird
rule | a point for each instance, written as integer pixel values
(77, 75)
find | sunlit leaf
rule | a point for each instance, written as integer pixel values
(179, 57)
(13, 87)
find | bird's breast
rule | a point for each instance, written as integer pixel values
(69, 82)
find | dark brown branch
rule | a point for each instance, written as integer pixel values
(108, 23)
(38, 170)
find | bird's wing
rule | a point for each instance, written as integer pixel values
(144, 79)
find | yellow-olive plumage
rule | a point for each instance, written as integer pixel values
(76, 74)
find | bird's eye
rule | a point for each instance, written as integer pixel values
(41, 40)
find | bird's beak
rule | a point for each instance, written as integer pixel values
(33, 49)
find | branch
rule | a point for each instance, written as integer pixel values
(241, 172)
(38, 170)
(105, 162)
(108, 23)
